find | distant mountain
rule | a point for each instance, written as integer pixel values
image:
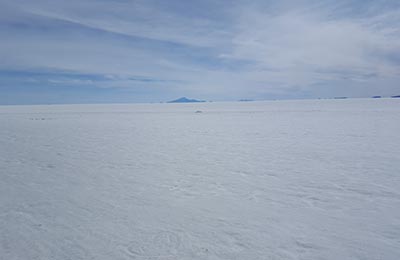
(185, 100)
(397, 96)
(377, 97)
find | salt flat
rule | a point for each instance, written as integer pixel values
(312, 179)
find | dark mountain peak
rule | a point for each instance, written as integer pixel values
(185, 100)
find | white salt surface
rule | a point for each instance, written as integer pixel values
(253, 180)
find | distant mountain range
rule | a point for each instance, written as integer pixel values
(188, 100)
(185, 100)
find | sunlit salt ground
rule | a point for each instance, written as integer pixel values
(305, 180)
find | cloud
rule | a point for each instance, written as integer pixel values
(208, 49)
(304, 48)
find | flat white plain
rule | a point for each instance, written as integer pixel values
(314, 179)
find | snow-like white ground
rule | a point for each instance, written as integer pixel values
(305, 180)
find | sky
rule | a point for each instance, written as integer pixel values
(123, 51)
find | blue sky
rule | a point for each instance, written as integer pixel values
(86, 51)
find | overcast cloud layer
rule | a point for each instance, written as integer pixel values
(76, 51)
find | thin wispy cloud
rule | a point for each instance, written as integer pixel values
(220, 51)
